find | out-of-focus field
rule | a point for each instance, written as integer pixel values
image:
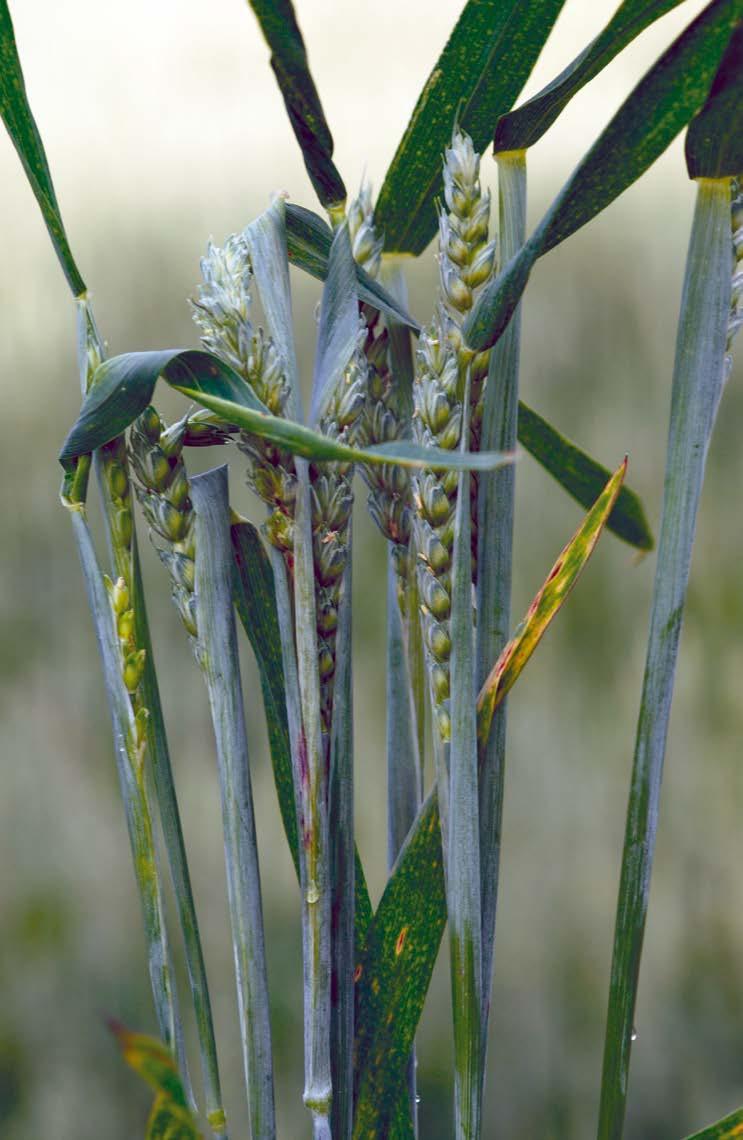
(163, 128)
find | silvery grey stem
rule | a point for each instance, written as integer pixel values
(495, 512)
(218, 657)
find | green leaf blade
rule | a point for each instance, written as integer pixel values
(661, 104)
(729, 1128)
(714, 141)
(279, 25)
(523, 127)
(477, 77)
(583, 477)
(338, 328)
(24, 133)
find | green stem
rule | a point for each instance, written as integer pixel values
(218, 657)
(495, 508)
(697, 386)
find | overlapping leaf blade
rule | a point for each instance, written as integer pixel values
(525, 125)
(714, 140)
(170, 1118)
(21, 126)
(478, 75)
(279, 25)
(405, 934)
(308, 242)
(338, 328)
(663, 102)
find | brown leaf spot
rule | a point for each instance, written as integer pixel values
(357, 973)
(400, 944)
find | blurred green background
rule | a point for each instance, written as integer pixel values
(163, 127)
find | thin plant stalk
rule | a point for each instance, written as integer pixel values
(124, 558)
(130, 748)
(218, 656)
(341, 832)
(495, 507)
(697, 387)
(312, 801)
(462, 842)
(112, 476)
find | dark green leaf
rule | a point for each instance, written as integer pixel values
(289, 61)
(122, 388)
(582, 477)
(477, 77)
(714, 141)
(662, 103)
(394, 972)
(730, 1128)
(21, 126)
(526, 125)
(338, 328)
(308, 239)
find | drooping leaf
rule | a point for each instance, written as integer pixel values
(525, 125)
(21, 126)
(662, 103)
(338, 328)
(714, 140)
(477, 77)
(308, 241)
(582, 477)
(729, 1128)
(695, 396)
(558, 584)
(289, 62)
(218, 657)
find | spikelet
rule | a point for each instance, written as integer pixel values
(383, 418)
(466, 260)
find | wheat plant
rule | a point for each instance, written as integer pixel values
(428, 414)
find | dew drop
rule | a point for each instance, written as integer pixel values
(417, 1099)
(313, 893)
(633, 1034)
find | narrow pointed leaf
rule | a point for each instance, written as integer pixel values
(526, 125)
(560, 581)
(170, 1118)
(308, 241)
(21, 126)
(405, 934)
(662, 103)
(218, 657)
(695, 395)
(338, 329)
(266, 238)
(582, 477)
(714, 140)
(279, 25)
(477, 77)
(729, 1128)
